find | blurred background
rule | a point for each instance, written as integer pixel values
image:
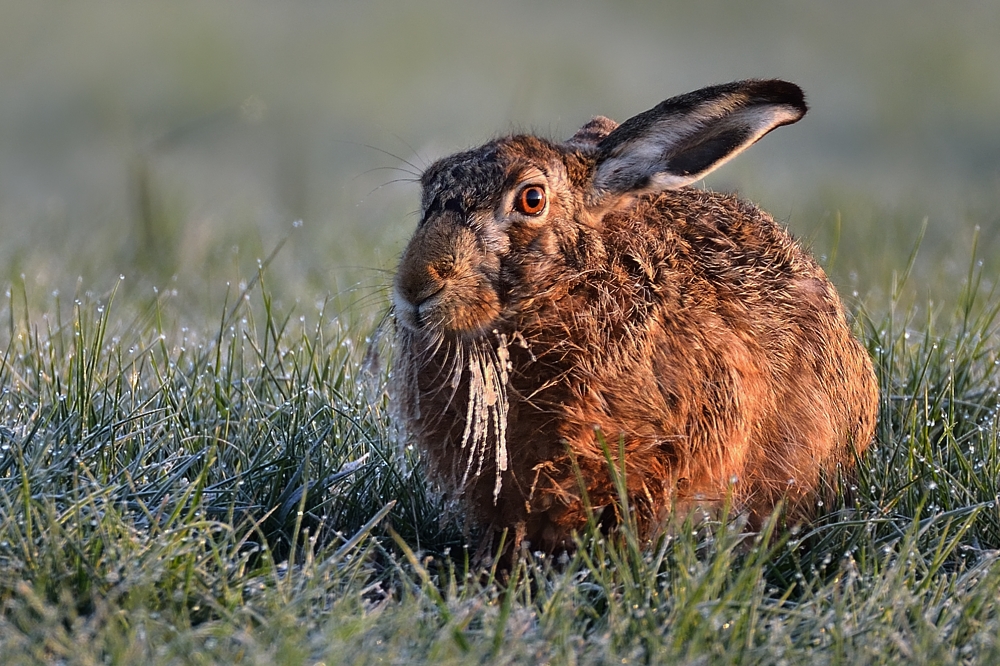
(179, 142)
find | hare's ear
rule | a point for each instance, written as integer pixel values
(684, 138)
(591, 134)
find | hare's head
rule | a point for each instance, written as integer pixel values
(520, 201)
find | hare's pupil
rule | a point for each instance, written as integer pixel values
(532, 200)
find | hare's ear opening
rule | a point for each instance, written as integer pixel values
(681, 140)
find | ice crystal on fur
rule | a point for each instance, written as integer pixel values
(482, 366)
(487, 403)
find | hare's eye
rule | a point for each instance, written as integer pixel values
(530, 200)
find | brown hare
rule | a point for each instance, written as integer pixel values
(557, 293)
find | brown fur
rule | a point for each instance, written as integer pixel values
(685, 323)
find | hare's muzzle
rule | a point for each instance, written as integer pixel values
(445, 282)
(421, 279)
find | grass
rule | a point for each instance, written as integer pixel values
(233, 491)
(209, 474)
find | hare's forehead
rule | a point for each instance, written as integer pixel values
(478, 177)
(469, 176)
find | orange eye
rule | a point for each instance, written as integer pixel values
(530, 200)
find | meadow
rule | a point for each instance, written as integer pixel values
(236, 493)
(198, 460)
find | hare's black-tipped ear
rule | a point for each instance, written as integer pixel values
(684, 138)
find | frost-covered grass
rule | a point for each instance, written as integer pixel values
(232, 491)
(200, 477)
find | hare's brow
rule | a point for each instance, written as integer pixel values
(516, 176)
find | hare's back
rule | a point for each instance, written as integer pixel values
(724, 239)
(719, 263)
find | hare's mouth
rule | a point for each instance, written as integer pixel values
(415, 313)
(451, 312)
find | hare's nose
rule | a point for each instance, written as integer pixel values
(425, 284)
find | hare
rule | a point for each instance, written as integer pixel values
(561, 300)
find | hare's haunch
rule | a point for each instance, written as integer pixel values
(557, 293)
